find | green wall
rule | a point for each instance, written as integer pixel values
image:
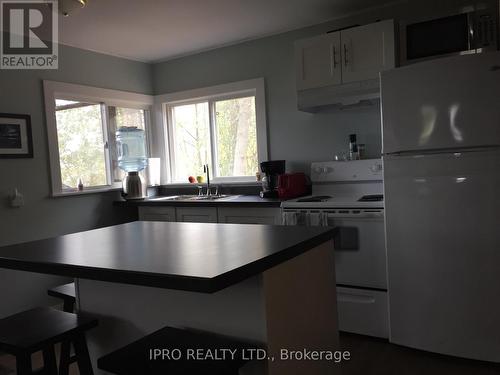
(297, 137)
(42, 216)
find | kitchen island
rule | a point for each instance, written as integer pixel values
(271, 284)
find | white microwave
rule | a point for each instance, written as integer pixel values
(461, 33)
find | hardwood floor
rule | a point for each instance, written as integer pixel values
(369, 356)
(8, 363)
(376, 356)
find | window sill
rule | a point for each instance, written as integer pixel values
(84, 192)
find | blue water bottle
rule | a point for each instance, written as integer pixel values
(132, 158)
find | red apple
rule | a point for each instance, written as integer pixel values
(191, 179)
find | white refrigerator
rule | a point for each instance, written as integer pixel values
(441, 155)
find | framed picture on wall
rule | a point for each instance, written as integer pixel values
(15, 136)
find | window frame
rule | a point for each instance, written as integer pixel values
(105, 97)
(234, 90)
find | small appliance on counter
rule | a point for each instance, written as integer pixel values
(131, 147)
(272, 169)
(292, 185)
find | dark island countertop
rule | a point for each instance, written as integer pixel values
(198, 257)
(234, 201)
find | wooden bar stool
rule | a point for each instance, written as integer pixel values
(67, 293)
(39, 330)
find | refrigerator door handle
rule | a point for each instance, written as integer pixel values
(444, 151)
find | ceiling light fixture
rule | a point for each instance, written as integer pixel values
(67, 7)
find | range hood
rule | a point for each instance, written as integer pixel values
(338, 96)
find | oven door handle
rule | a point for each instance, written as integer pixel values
(355, 298)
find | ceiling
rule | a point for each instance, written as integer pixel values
(156, 30)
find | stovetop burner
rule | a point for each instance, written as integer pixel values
(371, 198)
(315, 198)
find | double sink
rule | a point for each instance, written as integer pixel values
(190, 198)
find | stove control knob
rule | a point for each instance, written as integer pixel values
(318, 170)
(376, 168)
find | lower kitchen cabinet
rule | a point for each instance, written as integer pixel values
(234, 215)
(253, 215)
(197, 214)
(157, 213)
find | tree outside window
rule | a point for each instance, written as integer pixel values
(221, 133)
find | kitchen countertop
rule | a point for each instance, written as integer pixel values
(235, 201)
(197, 257)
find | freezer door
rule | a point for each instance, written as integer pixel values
(443, 248)
(444, 103)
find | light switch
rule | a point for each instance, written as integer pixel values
(17, 199)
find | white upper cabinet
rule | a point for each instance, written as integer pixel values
(367, 50)
(318, 61)
(349, 55)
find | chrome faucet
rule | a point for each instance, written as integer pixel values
(207, 171)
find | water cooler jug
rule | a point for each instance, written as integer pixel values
(132, 158)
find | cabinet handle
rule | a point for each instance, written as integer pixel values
(334, 52)
(345, 56)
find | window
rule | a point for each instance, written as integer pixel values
(223, 126)
(191, 132)
(80, 139)
(81, 123)
(236, 137)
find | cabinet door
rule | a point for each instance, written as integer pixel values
(235, 215)
(157, 213)
(367, 50)
(197, 214)
(317, 61)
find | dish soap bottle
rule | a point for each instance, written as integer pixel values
(353, 148)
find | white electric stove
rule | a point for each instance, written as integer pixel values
(348, 196)
(350, 184)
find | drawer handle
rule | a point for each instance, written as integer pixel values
(346, 61)
(334, 58)
(355, 298)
